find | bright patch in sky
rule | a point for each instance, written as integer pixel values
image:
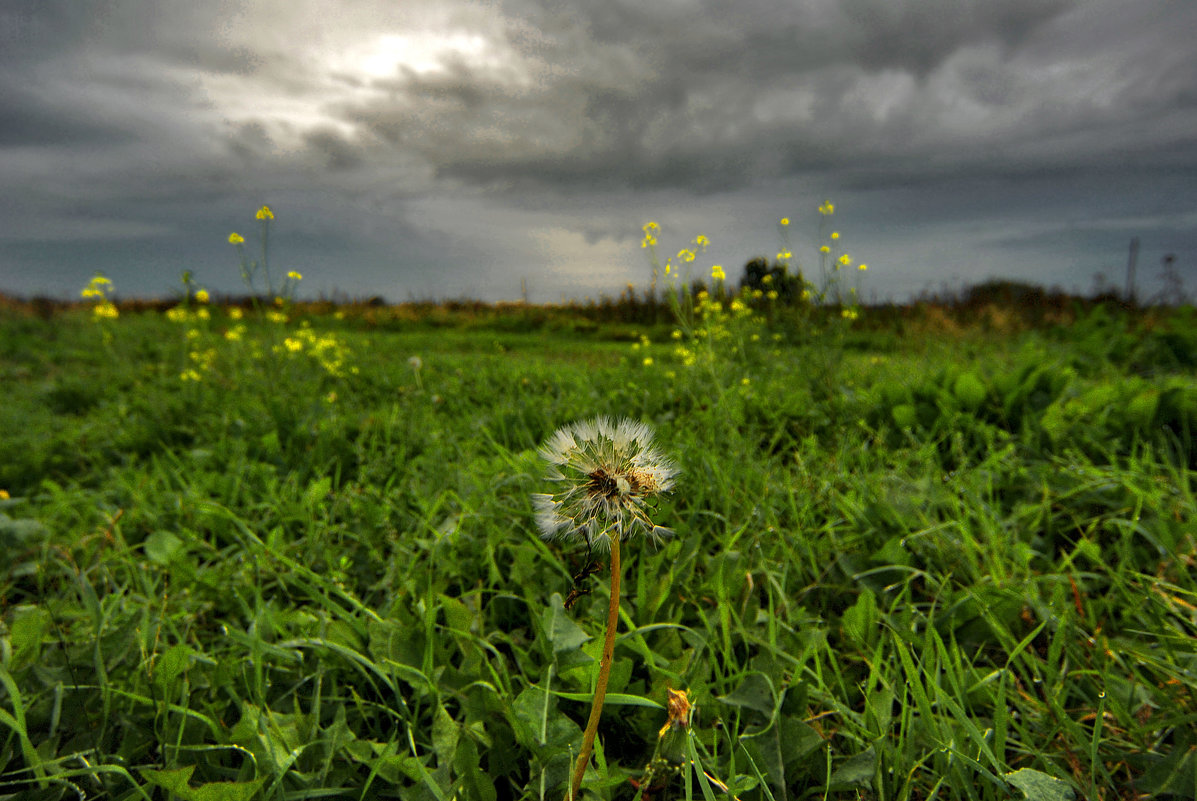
(391, 54)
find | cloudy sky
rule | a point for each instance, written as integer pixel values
(434, 149)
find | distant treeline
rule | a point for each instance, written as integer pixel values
(1001, 302)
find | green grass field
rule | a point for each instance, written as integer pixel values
(241, 561)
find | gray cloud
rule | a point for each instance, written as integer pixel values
(454, 147)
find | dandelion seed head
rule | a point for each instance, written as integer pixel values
(608, 471)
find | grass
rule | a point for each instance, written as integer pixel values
(908, 565)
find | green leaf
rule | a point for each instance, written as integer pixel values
(562, 632)
(178, 782)
(755, 692)
(613, 699)
(1038, 786)
(970, 391)
(445, 734)
(861, 619)
(316, 492)
(173, 662)
(857, 771)
(162, 547)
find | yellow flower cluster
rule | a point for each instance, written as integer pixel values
(650, 234)
(325, 349)
(99, 289)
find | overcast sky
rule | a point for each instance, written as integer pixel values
(443, 149)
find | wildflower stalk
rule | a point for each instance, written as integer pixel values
(600, 687)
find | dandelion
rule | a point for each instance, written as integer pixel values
(608, 471)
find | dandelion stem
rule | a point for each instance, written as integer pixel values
(600, 687)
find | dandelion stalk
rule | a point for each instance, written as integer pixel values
(600, 687)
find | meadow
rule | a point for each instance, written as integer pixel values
(252, 553)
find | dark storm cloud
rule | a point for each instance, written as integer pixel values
(718, 97)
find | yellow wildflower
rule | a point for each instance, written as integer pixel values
(835, 234)
(824, 249)
(105, 310)
(717, 273)
(202, 296)
(679, 709)
(265, 213)
(648, 361)
(828, 208)
(701, 241)
(294, 276)
(862, 266)
(685, 255)
(236, 313)
(785, 255)
(236, 238)
(845, 260)
(785, 220)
